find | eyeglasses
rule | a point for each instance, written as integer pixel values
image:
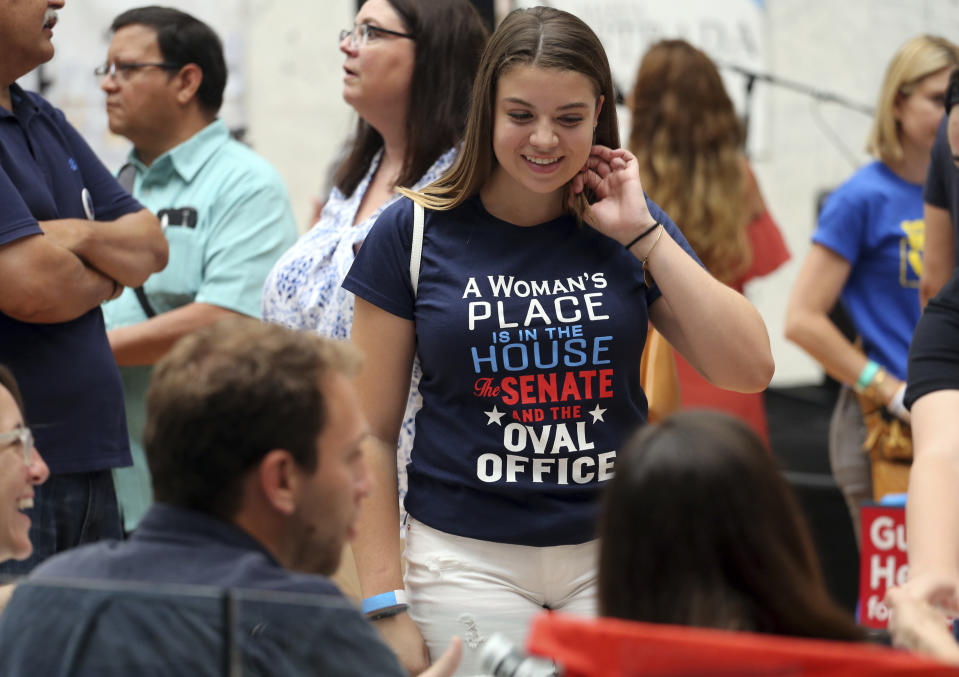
(120, 70)
(360, 34)
(22, 436)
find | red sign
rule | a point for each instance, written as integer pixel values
(882, 560)
(610, 647)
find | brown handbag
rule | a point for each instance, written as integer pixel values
(889, 445)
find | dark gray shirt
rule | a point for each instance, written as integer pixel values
(214, 596)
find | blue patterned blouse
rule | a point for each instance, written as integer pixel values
(303, 290)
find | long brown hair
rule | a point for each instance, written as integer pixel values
(449, 38)
(688, 141)
(742, 557)
(542, 37)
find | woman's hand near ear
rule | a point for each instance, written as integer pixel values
(620, 210)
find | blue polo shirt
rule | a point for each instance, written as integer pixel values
(284, 622)
(71, 387)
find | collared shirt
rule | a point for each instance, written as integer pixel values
(66, 371)
(180, 630)
(227, 219)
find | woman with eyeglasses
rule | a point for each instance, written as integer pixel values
(21, 469)
(408, 71)
(867, 253)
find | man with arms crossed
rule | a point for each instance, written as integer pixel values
(70, 238)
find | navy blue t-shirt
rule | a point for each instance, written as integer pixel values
(71, 387)
(530, 340)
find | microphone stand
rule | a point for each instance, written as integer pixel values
(817, 94)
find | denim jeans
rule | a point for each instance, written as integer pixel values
(69, 509)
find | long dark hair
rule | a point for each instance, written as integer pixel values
(741, 557)
(450, 36)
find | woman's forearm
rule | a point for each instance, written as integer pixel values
(714, 327)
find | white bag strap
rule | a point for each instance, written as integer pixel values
(416, 252)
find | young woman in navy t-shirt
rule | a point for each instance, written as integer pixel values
(541, 263)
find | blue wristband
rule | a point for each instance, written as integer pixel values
(394, 600)
(866, 376)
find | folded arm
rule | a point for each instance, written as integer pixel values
(44, 282)
(128, 250)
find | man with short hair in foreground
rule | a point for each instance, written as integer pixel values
(253, 439)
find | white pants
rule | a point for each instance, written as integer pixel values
(472, 589)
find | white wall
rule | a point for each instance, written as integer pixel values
(297, 119)
(284, 85)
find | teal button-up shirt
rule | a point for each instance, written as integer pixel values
(227, 220)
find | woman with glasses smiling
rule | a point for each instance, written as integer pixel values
(21, 468)
(408, 73)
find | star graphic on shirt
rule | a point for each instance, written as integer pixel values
(494, 416)
(597, 414)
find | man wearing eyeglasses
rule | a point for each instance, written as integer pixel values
(70, 238)
(225, 211)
